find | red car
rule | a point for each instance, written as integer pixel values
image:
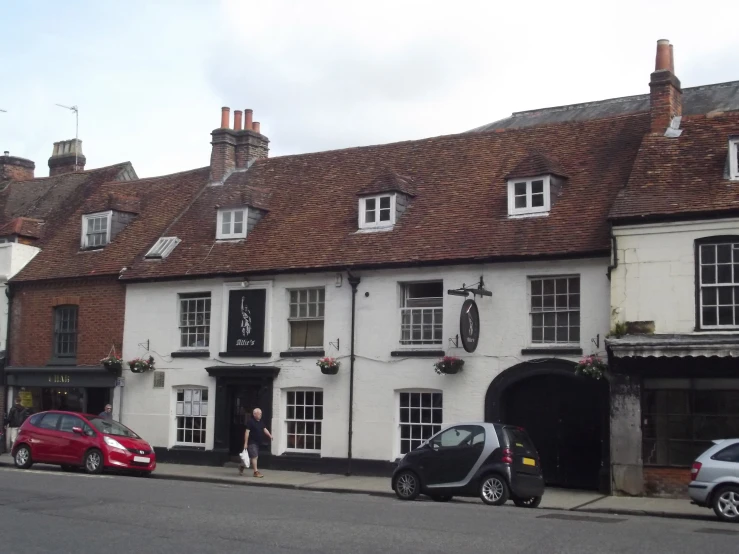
(78, 440)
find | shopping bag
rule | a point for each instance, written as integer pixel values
(244, 458)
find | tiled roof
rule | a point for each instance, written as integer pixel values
(389, 181)
(159, 201)
(23, 226)
(51, 199)
(684, 176)
(696, 100)
(459, 212)
(536, 164)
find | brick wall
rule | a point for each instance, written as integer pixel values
(101, 304)
(669, 482)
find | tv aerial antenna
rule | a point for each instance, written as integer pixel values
(76, 111)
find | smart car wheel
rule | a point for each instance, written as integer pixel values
(23, 457)
(530, 502)
(407, 486)
(94, 462)
(726, 503)
(441, 498)
(494, 490)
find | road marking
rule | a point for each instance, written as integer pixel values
(594, 519)
(54, 473)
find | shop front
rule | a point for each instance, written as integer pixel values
(74, 389)
(671, 396)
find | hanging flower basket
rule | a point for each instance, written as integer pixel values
(112, 363)
(329, 366)
(449, 365)
(141, 365)
(591, 366)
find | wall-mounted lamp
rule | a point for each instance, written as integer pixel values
(244, 283)
(339, 279)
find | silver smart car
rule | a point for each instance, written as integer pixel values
(715, 479)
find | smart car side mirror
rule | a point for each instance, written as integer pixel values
(78, 430)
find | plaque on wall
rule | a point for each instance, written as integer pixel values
(246, 320)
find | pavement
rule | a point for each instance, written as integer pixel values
(554, 499)
(45, 511)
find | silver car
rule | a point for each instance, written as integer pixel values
(715, 479)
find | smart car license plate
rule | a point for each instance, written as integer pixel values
(141, 459)
(529, 462)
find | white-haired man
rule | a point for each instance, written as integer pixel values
(253, 437)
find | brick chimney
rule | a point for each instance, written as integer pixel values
(666, 96)
(67, 157)
(15, 169)
(234, 148)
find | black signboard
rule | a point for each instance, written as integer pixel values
(469, 325)
(246, 319)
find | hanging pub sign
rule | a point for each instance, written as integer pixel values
(246, 319)
(469, 325)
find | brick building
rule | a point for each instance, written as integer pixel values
(67, 307)
(32, 210)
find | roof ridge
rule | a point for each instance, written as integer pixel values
(84, 172)
(157, 178)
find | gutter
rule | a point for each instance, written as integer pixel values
(354, 282)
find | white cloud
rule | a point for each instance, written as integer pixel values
(150, 77)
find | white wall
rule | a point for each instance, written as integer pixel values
(655, 277)
(13, 257)
(151, 315)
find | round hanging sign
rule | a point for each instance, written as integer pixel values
(469, 325)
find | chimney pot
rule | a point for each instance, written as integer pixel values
(225, 117)
(672, 60)
(255, 127)
(237, 120)
(248, 114)
(6, 153)
(662, 61)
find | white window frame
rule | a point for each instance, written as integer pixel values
(553, 310)
(436, 427)
(512, 210)
(377, 224)
(734, 245)
(420, 345)
(183, 408)
(162, 248)
(85, 222)
(220, 235)
(315, 421)
(734, 158)
(291, 319)
(189, 297)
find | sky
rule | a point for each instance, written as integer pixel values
(149, 77)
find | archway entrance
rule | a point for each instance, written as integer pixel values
(565, 415)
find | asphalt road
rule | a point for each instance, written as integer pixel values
(43, 511)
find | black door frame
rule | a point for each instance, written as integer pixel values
(494, 407)
(233, 376)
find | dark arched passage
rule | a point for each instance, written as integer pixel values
(565, 415)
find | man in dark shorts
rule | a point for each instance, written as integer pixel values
(253, 437)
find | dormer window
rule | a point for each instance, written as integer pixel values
(529, 196)
(96, 229)
(232, 223)
(377, 211)
(734, 158)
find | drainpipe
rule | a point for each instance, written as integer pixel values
(354, 282)
(8, 327)
(614, 251)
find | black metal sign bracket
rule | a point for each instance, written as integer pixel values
(477, 289)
